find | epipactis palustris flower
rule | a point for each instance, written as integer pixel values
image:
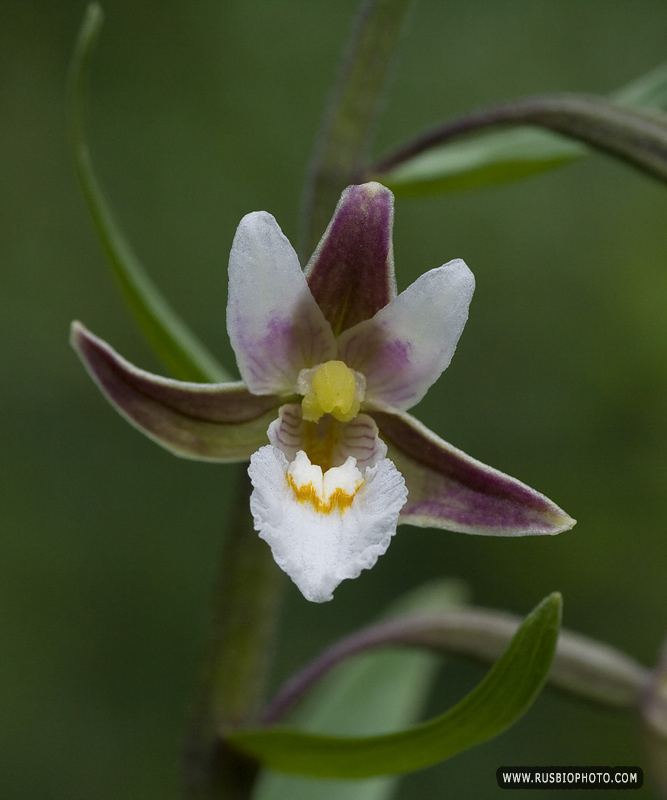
(331, 360)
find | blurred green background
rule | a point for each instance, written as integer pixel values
(201, 112)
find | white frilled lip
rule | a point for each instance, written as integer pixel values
(325, 526)
(319, 549)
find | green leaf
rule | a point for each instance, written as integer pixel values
(492, 158)
(356, 694)
(170, 338)
(499, 700)
(647, 91)
(500, 156)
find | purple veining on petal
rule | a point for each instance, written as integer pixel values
(275, 326)
(406, 346)
(287, 432)
(359, 438)
(369, 342)
(262, 354)
(449, 489)
(220, 422)
(287, 346)
(392, 358)
(351, 273)
(383, 362)
(328, 439)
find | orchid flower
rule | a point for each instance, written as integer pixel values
(331, 359)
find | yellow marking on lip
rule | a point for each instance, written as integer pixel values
(339, 499)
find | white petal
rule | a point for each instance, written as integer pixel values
(405, 347)
(275, 326)
(317, 549)
(358, 438)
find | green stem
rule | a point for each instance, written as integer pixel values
(352, 110)
(241, 640)
(236, 661)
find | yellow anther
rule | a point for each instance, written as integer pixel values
(333, 384)
(334, 392)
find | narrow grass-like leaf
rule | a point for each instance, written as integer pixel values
(500, 699)
(353, 698)
(170, 338)
(498, 156)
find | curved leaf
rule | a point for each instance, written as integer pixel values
(491, 158)
(498, 156)
(356, 693)
(646, 91)
(581, 666)
(170, 338)
(499, 700)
